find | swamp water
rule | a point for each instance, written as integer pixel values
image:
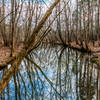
(54, 73)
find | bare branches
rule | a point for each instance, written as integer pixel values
(16, 63)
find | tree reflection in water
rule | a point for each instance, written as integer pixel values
(53, 73)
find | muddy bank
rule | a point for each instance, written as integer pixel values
(94, 50)
(5, 52)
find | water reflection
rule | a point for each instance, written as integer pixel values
(54, 73)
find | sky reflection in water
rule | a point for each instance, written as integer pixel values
(67, 75)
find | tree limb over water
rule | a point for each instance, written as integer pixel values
(24, 52)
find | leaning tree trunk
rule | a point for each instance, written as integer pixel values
(31, 42)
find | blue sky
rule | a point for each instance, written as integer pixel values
(35, 1)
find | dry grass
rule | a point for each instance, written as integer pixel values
(6, 51)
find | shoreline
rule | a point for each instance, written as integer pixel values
(6, 59)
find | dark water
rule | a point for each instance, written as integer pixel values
(54, 73)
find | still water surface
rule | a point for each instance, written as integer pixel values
(54, 73)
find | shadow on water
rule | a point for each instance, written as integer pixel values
(54, 73)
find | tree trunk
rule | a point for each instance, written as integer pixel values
(31, 42)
